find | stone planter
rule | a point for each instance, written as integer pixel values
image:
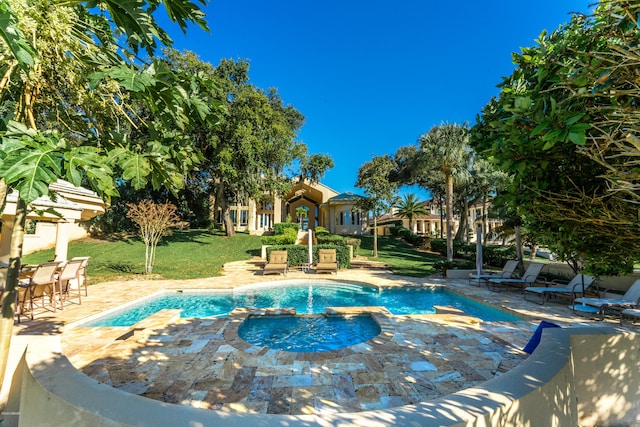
(459, 274)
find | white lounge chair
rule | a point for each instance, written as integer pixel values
(529, 277)
(578, 285)
(507, 272)
(630, 299)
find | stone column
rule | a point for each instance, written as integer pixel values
(62, 240)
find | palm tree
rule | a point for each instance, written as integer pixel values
(410, 207)
(444, 149)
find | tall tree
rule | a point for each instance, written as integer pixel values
(380, 191)
(410, 207)
(445, 149)
(565, 127)
(255, 148)
(70, 97)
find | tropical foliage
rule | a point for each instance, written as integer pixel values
(410, 207)
(77, 103)
(565, 127)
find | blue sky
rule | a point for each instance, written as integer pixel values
(371, 76)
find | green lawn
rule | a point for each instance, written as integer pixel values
(187, 254)
(192, 254)
(403, 259)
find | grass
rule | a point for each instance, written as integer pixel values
(193, 254)
(404, 260)
(187, 254)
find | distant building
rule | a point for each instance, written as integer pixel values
(434, 223)
(324, 207)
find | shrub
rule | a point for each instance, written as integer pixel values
(321, 231)
(280, 227)
(335, 239)
(439, 246)
(298, 255)
(497, 256)
(288, 237)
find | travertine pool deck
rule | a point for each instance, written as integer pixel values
(203, 363)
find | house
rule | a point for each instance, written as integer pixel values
(325, 207)
(434, 222)
(75, 206)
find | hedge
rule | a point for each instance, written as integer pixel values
(495, 256)
(334, 239)
(288, 237)
(280, 227)
(298, 255)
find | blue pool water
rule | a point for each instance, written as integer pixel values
(308, 298)
(308, 333)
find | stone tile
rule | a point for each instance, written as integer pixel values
(280, 400)
(161, 355)
(343, 386)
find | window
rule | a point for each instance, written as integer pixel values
(355, 217)
(244, 217)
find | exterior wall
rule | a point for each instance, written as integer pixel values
(345, 210)
(44, 237)
(574, 377)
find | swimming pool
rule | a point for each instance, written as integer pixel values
(305, 297)
(310, 333)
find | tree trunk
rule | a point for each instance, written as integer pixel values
(534, 249)
(375, 234)
(11, 287)
(228, 223)
(462, 235)
(3, 194)
(222, 202)
(449, 209)
(485, 218)
(519, 252)
(441, 225)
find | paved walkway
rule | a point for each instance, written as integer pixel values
(203, 363)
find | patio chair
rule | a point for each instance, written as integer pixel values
(507, 272)
(82, 275)
(277, 264)
(578, 285)
(41, 282)
(633, 313)
(529, 277)
(327, 262)
(70, 271)
(630, 299)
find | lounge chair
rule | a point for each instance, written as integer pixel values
(277, 264)
(82, 275)
(529, 277)
(507, 272)
(70, 271)
(634, 313)
(631, 299)
(327, 262)
(578, 285)
(34, 288)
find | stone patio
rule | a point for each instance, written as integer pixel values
(203, 363)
